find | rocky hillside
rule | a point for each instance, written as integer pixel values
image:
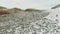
(29, 21)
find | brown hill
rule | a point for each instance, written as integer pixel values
(4, 12)
(31, 9)
(15, 9)
(1, 8)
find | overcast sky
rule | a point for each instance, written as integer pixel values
(38, 4)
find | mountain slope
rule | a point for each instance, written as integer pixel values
(30, 22)
(19, 18)
(57, 6)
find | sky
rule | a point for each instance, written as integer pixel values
(23, 4)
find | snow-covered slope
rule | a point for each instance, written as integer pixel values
(54, 15)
